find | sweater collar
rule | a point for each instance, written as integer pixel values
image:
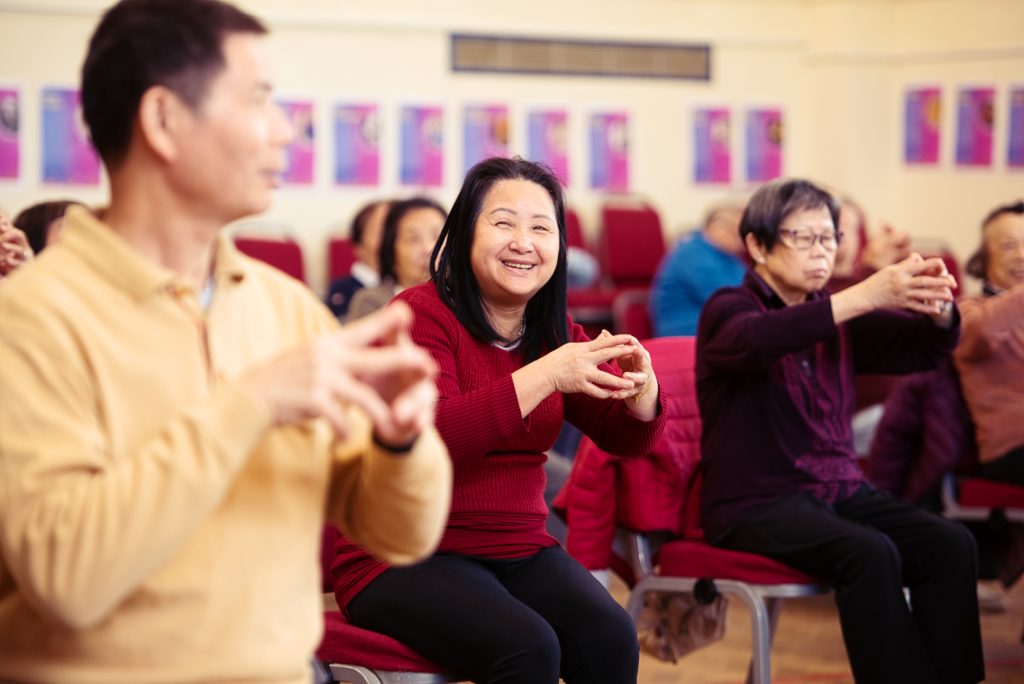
(116, 260)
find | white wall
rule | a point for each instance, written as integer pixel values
(838, 69)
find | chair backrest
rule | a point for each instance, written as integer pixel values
(280, 252)
(574, 230)
(650, 491)
(340, 257)
(631, 314)
(631, 244)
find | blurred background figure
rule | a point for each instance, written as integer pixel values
(14, 247)
(410, 230)
(990, 357)
(861, 252)
(365, 234)
(43, 222)
(700, 264)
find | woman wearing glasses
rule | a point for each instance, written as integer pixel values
(775, 364)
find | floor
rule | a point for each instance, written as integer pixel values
(809, 649)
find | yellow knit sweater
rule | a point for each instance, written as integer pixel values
(154, 527)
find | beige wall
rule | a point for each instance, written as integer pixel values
(838, 69)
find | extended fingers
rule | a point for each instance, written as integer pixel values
(385, 324)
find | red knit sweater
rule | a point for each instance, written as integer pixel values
(498, 507)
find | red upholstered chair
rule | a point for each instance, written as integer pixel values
(629, 248)
(631, 244)
(358, 656)
(283, 253)
(656, 497)
(631, 314)
(340, 257)
(574, 236)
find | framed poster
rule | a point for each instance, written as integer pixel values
(356, 144)
(974, 122)
(712, 155)
(547, 140)
(609, 151)
(301, 153)
(422, 146)
(484, 133)
(68, 156)
(922, 125)
(1015, 151)
(10, 140)
(764, 144)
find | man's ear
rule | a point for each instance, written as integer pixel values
(754, 248)
(162, 120)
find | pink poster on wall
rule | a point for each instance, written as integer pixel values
(974, 123)
(422, 146)
(764, 144)
(68, 156)
(484, 133)
(547, 140)
(300, 154)
(10, 143)
(922, 124)
(356, 144)
(1015, 153)
(712, 156)
(609, 151)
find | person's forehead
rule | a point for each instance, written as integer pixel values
(1006, 225)
(819, 216)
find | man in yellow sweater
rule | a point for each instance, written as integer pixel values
(177, 419)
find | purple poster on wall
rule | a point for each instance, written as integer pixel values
(1015, 154)
(712, 160)
(484, 133)
(922, 123)
(422, 146)
(356, 144)
(68, 156)
(300, 154)
(547, 142)
(609, 151)
(974, 122)
(764, 144)
(10, 143)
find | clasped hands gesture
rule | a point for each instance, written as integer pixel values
(371, 363)
(574, 368)
(14, 249)
(915, 283)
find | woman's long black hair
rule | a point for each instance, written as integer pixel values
(452, 271)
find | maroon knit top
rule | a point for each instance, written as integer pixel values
(498, 508)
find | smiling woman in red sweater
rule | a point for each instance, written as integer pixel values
(501, 601)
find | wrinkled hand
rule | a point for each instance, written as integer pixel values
(14, 249)
(915, 284)
(371, 363)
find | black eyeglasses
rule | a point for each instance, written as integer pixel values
(802, 240)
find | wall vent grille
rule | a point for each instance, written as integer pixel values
(504, 54)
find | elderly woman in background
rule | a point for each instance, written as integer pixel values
(501, 601)
(43, 222)
(990, 358)
(775, 364)
(410, 231)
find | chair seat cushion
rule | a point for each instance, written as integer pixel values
(347, 644)
(696, 559)
(990, 494)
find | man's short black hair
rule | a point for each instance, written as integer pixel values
(142, 43)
